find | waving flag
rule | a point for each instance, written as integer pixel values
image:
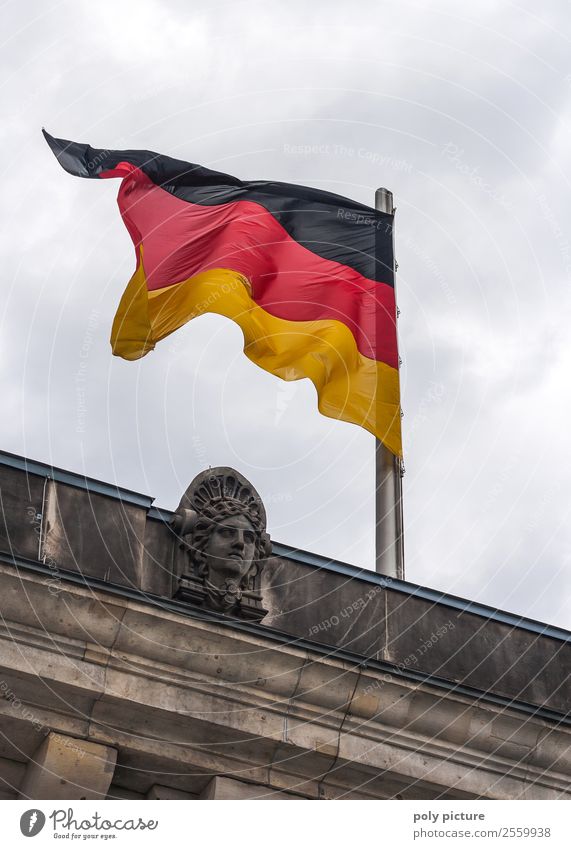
(307, 275)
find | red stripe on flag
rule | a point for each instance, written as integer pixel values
(288, 280)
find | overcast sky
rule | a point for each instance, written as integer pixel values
(463, 111)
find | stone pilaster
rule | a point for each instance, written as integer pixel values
(66, 768)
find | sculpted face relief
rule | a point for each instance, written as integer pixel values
(230, 550)
(221, 527)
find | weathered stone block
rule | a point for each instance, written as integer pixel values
(65, 768)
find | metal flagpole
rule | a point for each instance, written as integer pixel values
(389, 539)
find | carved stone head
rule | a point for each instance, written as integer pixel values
(221, 523)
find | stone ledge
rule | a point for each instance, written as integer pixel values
(284, 711)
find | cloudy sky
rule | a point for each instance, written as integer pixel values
(463, 111)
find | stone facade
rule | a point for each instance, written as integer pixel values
(122, 675)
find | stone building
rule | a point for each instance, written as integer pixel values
(151, 654)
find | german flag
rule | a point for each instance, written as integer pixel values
(307, 275)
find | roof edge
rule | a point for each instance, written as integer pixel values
(34, 467)
(296, 554)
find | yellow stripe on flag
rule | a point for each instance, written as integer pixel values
(350, 386)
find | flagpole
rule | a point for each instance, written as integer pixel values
(389, 540)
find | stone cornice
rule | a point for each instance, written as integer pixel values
(184, 691)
